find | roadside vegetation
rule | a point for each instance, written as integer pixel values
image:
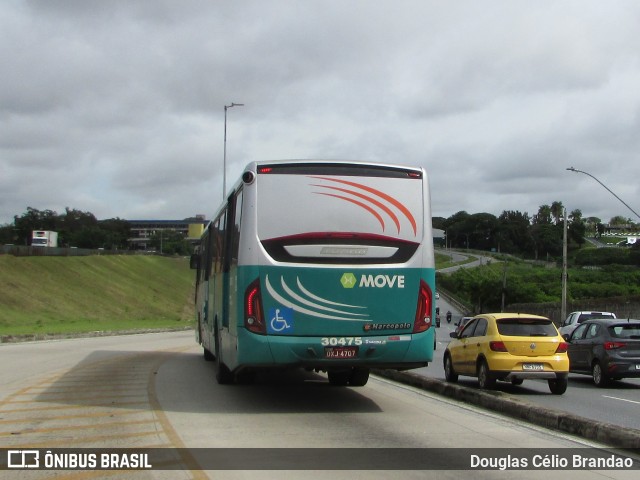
(52, 295)
(83, 230)
(522, 281)
(528, 250)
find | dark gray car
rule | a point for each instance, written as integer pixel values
(606, 349)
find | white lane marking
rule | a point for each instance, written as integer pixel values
(621, 399)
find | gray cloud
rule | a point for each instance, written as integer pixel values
(117, 107)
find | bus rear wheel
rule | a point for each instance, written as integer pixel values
(359, 377)
(339, 378)
(208, 356)
(223, 374)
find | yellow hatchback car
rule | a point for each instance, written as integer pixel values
(509, 347)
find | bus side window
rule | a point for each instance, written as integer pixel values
(206, 257)
(232, 233)
(235, 242)
(219, 244)
(215, 246)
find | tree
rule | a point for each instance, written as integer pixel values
(71, 226)
(634, 254)
(543, 217)
(513, 232)
(557, 212)
(547, 239)
(7, 234)
(619, 221)
(592, 225)
(170, 242)
(118, 232)
(483, 228)
(31, 220)
(576, 228)
(439, 222)
(75, 227)
(457, 230)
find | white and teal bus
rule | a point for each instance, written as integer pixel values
(323, 265)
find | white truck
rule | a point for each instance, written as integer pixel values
(576, 318)
(44, 238)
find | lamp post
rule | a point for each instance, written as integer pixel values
(571, 169)
(563, 307)
(224, 157)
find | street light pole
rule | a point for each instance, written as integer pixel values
(563, 307)
(571, 169)
(224, 157)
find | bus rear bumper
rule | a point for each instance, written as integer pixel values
(401, 351)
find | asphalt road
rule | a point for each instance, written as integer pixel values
(156, 390)
(618, 404)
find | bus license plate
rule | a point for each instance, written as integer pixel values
(637, 367)
(340, 352)
(532, 366)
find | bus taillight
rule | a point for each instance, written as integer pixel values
(423, 310)
(253, 315)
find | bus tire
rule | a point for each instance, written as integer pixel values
(359, 377)
(339, 378)
(246, 377)
(223, 374)
(208, 356)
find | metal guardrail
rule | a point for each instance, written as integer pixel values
(455, 303)
(29, 251)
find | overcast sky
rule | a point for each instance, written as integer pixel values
(117, 107)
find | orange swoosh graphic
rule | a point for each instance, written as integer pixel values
(380, 194)
(378, 204)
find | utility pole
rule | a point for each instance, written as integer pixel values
(224, 155)
(563, 308)
(504, 285)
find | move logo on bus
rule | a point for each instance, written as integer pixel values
(349, 280)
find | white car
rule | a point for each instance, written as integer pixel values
(461, 323)
(437, 296)
(576, 318)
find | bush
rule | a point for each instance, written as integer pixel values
(603, 256)
(482, 286)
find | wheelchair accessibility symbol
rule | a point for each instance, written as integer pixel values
(281, 320)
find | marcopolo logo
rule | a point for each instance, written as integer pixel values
(349, 280)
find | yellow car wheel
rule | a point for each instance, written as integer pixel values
(449, 373)
(559, 385)
(485, 380)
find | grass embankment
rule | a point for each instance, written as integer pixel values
(51, 295)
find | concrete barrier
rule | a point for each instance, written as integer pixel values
(605, 433)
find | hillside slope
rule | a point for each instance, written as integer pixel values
(41, 295)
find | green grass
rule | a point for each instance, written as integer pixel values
(63, 295)
(613, 240)
(52, 295)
